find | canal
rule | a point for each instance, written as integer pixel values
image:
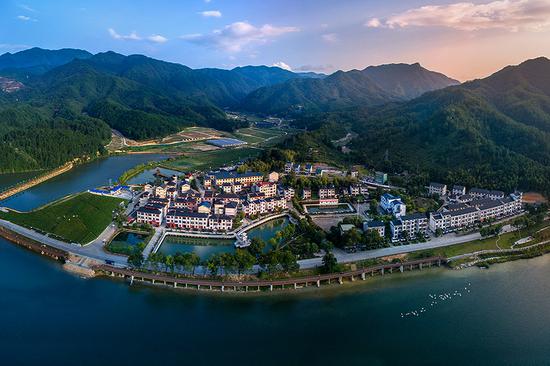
(50, 317)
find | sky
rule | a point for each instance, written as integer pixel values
(464, 40)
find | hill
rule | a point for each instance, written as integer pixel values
(372, 86)
(492, 132)
(37, 60)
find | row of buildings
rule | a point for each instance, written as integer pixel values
(458, 192)
(487, 206)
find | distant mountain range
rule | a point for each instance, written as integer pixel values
(372, 86)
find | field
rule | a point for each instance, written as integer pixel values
(201, 160)
(77, 219)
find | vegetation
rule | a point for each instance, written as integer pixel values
(77, 219)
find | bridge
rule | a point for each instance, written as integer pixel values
(266, 285)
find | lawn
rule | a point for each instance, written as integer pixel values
(505, 241)
(77, 219)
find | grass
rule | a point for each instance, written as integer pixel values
(505, 241)
(211, 159)
(77, 219)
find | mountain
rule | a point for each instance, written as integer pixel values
(372, 86)
(37, 60)
(492, 132)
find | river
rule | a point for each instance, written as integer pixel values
(50, 317)
(83, 177)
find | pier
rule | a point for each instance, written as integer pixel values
(266, 285)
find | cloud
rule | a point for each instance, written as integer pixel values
(211, 14)
(330, 37)
(236, 36)
(25, 18)
(282, 65)
(373, 23)
(157, 38)
(26, 7)
(316, 68)
(512, 15)
(129, 37)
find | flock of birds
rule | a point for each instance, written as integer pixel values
(436, 299)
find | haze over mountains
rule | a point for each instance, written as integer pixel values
(492, 132)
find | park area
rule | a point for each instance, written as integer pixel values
(76, 219)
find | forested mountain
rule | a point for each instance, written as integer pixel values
(37, 60)
(372, 86)
(492, 132)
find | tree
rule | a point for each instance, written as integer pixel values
(330, 263)
(169, 262)
(256, 247)
(438, 232)
(244, 260)
(287, 260)
(213, 264)
(136, 258)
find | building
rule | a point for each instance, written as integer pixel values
(160, 191)
(378, 226)
(485, 193)
(297, 168)
(187, 220)
(149, 215)
(392, 205)
(458, 190)
(437, 189)
(231, 209)
(221, 178)
(327, 192)
(308, 169)
(288, 167)
(289, 193)
(226, 142)
(204, 207)
(409, 227)
(269, 189)
(380, 177)
(344, 228)
(306, 194)
(328, 201)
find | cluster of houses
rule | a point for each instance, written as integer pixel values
(226, 194)
(328, 195)
(462, 211)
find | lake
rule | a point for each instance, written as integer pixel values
(83, 177)
(50, 317)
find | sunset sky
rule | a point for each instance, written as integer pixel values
(464, 40)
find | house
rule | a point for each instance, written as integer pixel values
(289, 193)
(149, 215)
(160, 191)
(392, 205)
(269, 189)
(458, 190)
(288, 167)
(273, 177)
(437, 189)
(354, 173)
(396, 228)
(297, 168)
(231, 209)
(308, 169)
(327, 192)
(354, 190)
(227, 188)
(204, 207)
(377, 226)
(409, 226)
(306, 194)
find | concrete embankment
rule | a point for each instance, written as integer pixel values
(33, 245)
(33, 182)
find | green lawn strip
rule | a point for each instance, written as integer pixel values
(78, 219)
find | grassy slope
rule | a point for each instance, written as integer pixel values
(79, 219)
(212, 159)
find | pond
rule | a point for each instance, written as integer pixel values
(205, 248)
(125, 240)
(148, 175)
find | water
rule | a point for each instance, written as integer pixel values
(9, 179)
(50, 317)
(126, 239)
(148, 177)
(205, 248)
(79, 179)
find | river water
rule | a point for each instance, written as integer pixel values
(83, 177)
(50, 317)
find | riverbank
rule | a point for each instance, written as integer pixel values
(35, 181)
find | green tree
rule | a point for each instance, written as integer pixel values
(330, 263)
